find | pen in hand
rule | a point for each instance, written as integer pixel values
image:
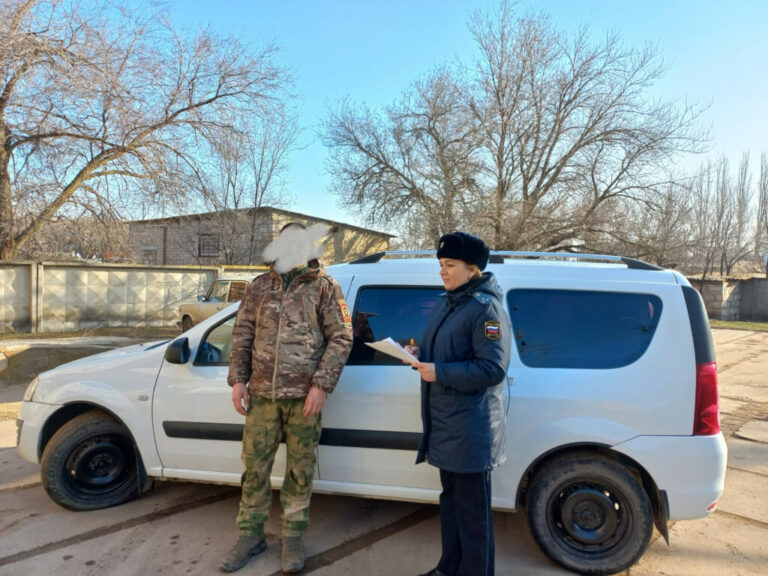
(411, 348)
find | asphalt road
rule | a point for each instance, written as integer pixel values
(180, 528)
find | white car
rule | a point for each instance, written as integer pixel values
(612, 416)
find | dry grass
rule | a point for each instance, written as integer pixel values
(734, 325)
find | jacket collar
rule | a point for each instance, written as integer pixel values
(485, 283)
(308, 272)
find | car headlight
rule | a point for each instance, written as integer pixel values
(31, 389)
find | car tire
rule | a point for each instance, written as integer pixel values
(186, 323)
(90, 463)
(589, 514)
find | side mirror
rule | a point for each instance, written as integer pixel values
(178, 351)
(201, 297)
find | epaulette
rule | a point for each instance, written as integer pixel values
(482, 297)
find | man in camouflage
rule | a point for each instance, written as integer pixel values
(291, 338)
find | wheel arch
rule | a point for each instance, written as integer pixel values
(71, 411)
(656, 497)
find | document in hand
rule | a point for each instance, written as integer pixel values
(389, 346)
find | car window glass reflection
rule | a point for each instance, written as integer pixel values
(218, 292)
(395, 312)
(217, 344)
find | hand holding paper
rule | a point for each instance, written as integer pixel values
(392, 348)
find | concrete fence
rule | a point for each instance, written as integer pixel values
(59, 297)
(742, 299)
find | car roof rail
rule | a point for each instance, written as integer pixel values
(498, 257)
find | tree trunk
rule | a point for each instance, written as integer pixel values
(7, 245)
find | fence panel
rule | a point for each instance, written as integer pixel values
(16, 302)
(77, 297)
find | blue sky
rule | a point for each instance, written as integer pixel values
(370, 51)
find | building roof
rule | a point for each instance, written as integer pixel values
(265, 209)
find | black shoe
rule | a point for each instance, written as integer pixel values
(434, 572)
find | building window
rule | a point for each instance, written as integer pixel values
(149, 256)
(208, 245)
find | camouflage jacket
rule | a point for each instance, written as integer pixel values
(286, 340)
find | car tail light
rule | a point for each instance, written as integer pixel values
(706, 416)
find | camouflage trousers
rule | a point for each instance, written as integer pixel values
(267, 424)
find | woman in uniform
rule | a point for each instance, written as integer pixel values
(463, 360)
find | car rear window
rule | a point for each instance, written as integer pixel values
(400, 313)
(582, 329)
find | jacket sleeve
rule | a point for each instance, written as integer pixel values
(336, 324)
(491, 355)
(243, 334)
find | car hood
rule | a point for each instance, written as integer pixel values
(122, 353)
(131, 367)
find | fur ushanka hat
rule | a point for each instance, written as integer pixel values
(463, 246)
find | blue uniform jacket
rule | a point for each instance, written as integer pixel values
(468, 338)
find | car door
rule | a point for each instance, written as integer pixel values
(197, 430)
(215, 300)
(372, 421)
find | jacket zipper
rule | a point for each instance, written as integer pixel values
(277, 341)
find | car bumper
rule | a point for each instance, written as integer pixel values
(690, 469)
(29, 427)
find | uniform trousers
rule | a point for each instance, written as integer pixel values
(266, 425)
(466, 523)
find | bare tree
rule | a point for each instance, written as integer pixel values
(723, 217)
(84, 236)
(412, 163)
(761, 226)
(739, 231)
(105, 107)
(709, 212)
(246, 171)
(568, 127)
(559, 127)
(657, 229)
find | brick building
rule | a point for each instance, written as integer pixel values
(238, 237)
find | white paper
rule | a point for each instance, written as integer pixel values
(389, 346)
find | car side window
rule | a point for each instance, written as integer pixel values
(216, 346)
(218, 292)
(237, 291)
(582, 329)
(400, 313)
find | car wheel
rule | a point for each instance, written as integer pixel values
(90, 463)
(589, 514)
(186, 323)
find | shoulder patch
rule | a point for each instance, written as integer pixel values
(492, 329)
(345, 314)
